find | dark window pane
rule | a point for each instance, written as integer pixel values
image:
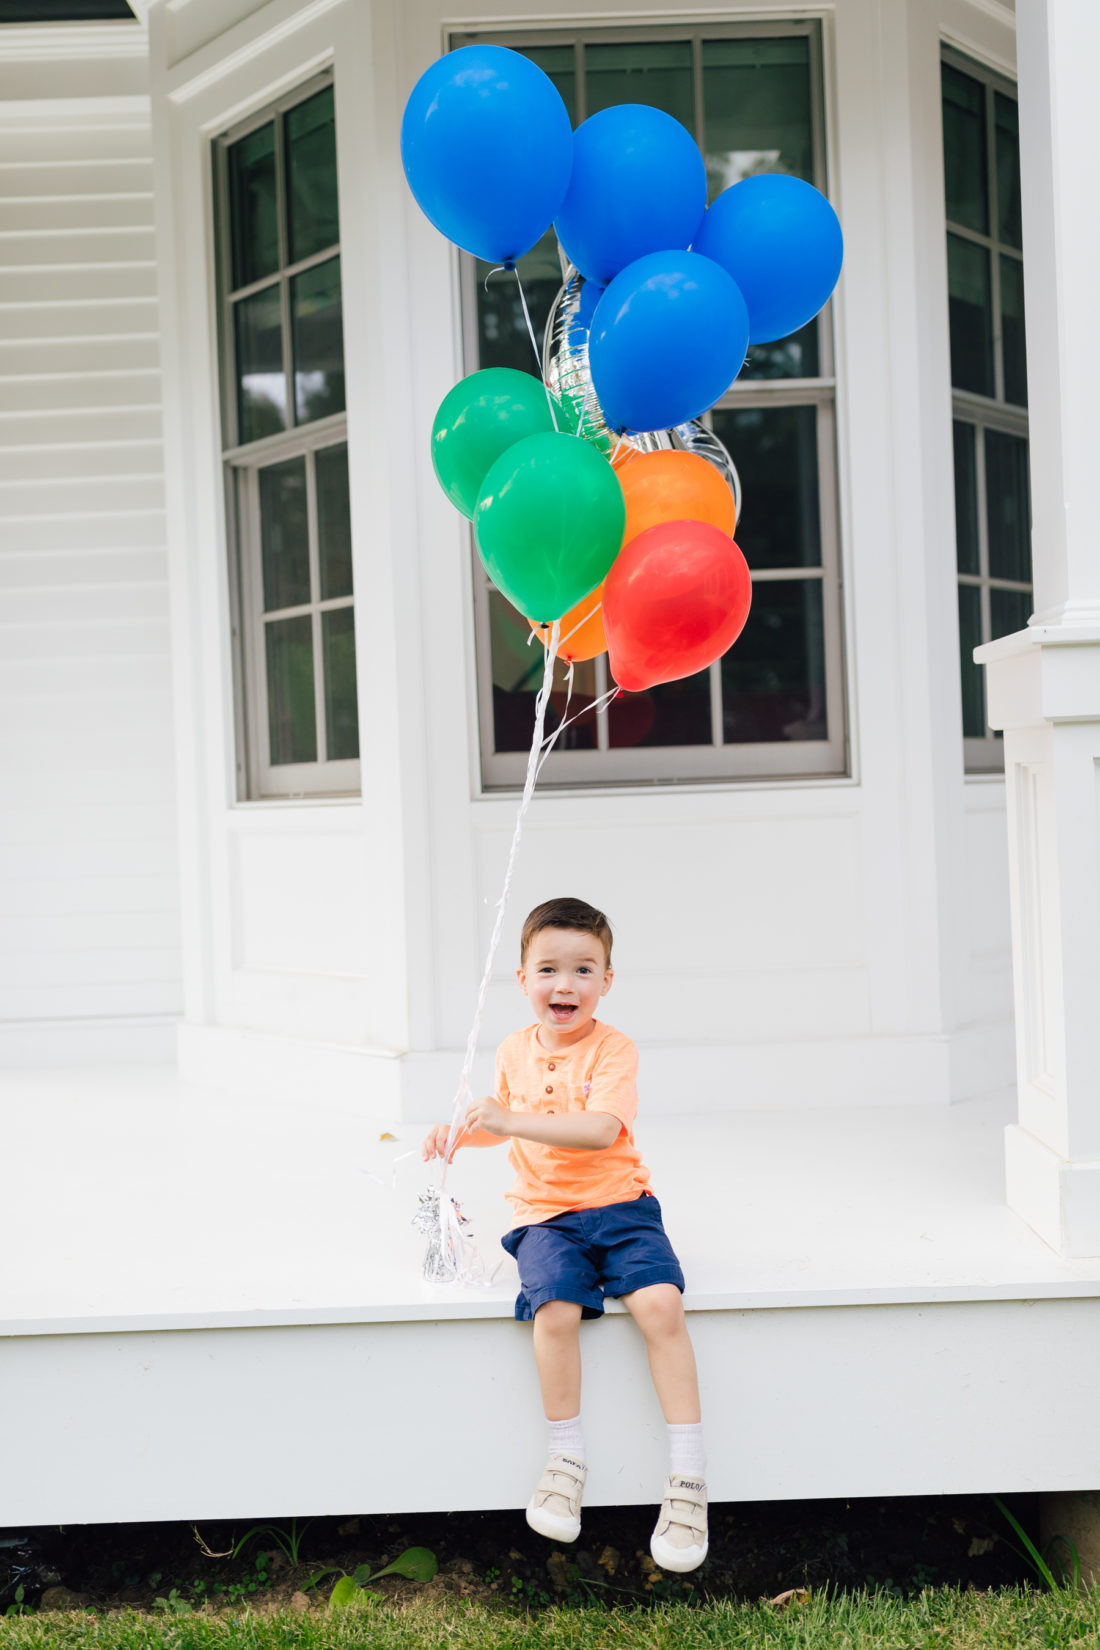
(657, 72)
(503, 339)
(341, 707)
(253, 219)
(1007, 120)
(673, 713)
(773, 677)
(970, 310)
(312, 220)
(1008, 512)
(756, 94)
(1009, 611)
(559, 64)
(1012, 330)
(284, 535)
(966, 498)
(261, 381)
(291, 717)
(517, 667)
(333, 521)
(965, 163)
(793, 357)
(970, 637)
(775, 451)
(316, 320)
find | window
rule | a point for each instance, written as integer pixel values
(751, 95)
(286, 455)
(985, 284)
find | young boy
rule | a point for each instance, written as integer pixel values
(585, 1221)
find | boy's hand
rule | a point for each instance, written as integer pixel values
(486, 1114)
(434, 1143)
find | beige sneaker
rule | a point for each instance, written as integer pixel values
(555, 1508)
(679, 1541)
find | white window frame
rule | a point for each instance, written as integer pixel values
(259, 779)
(694, 764)
(985, 754)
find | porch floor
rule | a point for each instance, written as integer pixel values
(135, 1201)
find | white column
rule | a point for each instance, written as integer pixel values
(1044, 683)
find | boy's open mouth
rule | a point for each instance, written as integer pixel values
(563, 1012)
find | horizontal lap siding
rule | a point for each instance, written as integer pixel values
(88, 887)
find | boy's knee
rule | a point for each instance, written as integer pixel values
(558, 1316)
(658, 1309)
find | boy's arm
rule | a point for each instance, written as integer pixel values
(583, 1131)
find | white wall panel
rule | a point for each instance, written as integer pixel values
(300, 902)
(89, 948)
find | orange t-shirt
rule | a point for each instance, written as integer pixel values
(598, 1073)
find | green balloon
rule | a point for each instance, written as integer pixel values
(549, 523)
(480, 419)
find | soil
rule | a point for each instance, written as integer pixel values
(757, 1549)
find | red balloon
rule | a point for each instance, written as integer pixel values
(676, 598)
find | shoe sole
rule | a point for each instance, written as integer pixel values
(555, 1529)
(678, 1559)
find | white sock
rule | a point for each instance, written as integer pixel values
(566, 1438)
(685, 1450)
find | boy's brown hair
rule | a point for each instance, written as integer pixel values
(566, 913)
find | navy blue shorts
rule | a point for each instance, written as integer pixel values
(586, 1254)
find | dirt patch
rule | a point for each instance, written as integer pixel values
(758, 1549)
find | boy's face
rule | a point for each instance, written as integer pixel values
(565, 975)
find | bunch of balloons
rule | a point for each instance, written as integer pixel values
(597, 497)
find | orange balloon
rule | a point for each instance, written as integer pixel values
(674, 486)
(587, 638)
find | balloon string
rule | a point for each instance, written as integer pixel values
(618, 444)
(535, 347)
(494, 271)
(578, 626)
(463, 1094)
(596, 707)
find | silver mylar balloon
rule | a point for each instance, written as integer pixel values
(565, 369)
(569, 380)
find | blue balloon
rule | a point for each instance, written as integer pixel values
(668, 338)
(780, 240)
(487, 149)
(639, 185)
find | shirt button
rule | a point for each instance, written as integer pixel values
(549, 1088)
(551, 1066)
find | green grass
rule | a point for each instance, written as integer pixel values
(938, 1619)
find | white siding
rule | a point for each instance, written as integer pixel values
(88, 877)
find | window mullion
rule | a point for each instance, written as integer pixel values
(983, 543)
(284, 259)
(603, 728)
(994, 259)
(257, 671)
(315, 599)
(716, 717)
(823, 323)
(697, 89)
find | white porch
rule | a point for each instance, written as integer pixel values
(240, 1328)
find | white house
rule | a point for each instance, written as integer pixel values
(263, 735)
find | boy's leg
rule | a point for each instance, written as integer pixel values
(555, 1508)
(658, 1310)
(679, 1541)
(558, 1356)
